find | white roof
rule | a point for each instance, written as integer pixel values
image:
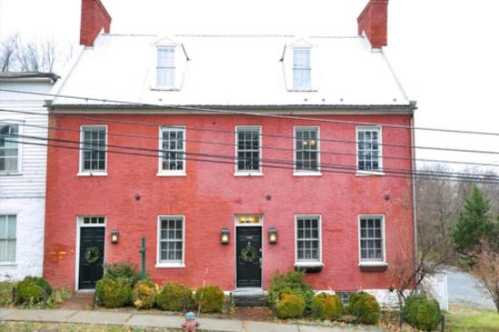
(232, 70)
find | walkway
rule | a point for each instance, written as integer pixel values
(160, 321)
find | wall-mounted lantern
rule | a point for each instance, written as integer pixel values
(115, 236)
(224, 236)
(272, 235)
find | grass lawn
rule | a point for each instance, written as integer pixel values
(463, 319)
(54, 327)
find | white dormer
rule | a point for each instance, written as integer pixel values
(170, 62)
(298, 61)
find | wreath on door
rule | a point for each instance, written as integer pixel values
(92, 255)
(249, 254)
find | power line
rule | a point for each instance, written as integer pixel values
(149, 124)
(265, 147)
(229, 111)
(270, 162)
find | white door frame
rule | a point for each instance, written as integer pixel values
(236, 226)
(80, 224)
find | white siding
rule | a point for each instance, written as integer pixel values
(24, 194)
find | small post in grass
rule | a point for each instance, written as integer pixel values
(143, 258)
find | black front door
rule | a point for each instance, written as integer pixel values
(91, 256)
(249, 254)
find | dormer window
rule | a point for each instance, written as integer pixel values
(301, 68)
(165, 69)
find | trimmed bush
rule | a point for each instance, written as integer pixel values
(326, 306)
(210, 299)
(290, 305)
(32, 290)
(364, 307)
(291, 282)
(421, 312)
(122, 270)
(144, 294)
(174, 297)
(7, 293)
(113, 292)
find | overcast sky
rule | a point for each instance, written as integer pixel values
(445, 51)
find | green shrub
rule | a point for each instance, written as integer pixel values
(32, 290)
(364, 307)
(290, 305)
(113, 292)
(144, 294)
(7, 293)
(421, 312)
(210, 299)
(291, 282)
(174, 297)
(326, 306)
(122, 270)
(58, 297)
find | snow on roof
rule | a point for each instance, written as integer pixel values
(230, 70)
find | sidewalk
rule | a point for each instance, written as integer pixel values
(160, 321)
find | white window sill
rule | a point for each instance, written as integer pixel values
(170, 265)
(310, 173)
(248, 174)
(308, 264)
(8, 264)
(165, 88)
(171, 174)
(13, 173)
(302, 90)
(92, 174)
(370, 173)
(368, 264)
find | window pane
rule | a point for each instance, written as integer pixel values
(248, 149)
(307, 149)
(7, 238)
(308, 240)
(301, 68)
(171, 238)
(9, 147)
(94, 149)
(371, 239)
(368, 148)
(173, 149)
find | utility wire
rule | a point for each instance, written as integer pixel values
(265, 147)
(229, 111)
(149, 124)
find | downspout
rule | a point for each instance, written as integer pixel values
(413, 178)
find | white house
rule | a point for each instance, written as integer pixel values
(22, 173)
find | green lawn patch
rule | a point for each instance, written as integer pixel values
(462, 319)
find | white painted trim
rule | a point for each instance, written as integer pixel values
(311, 263)
(383, 235)
(379, 171)
(16, 215)
(236, 226)
(260, 155)
(162, 172)
(80, 224)
(82, 172)
(169, 264)
(307, 172)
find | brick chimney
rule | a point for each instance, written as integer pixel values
(94, 18)
(373, 21)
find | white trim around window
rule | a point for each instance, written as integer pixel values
(379, 170)
(8, 239)
(258, 172)
(297, 172)
(309, 262)
(83, 172)
(372, 262)
(174, 263)
(19, 146)
(173, 172)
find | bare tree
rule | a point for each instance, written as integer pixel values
(486, 269)
(20, 56)
(7, 53)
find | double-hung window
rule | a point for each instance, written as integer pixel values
(170, 241)
(7, 239)
(371, 237)
(93, 150)
(172, 154)
(308, 240)
(369, 153)
(248, 150)
(9, 148)
(165, 67)
(301, 68)
(307, 150)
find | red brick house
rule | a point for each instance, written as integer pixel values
(233, 156)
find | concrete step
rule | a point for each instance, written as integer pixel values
(249, 298)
